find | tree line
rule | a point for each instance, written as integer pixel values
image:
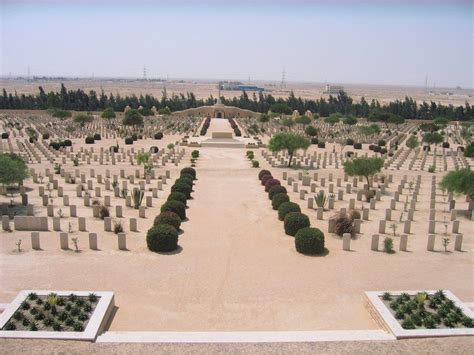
(79, 100)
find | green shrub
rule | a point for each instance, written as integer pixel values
(183, 188)
(262, 173)
(294, 221)
(169, 218)
(189, 171)
(278, 199)
(162, 238)
(250, 155)
(89, 140)
(177, 196)
(469, 151)
(309, 241)
(158, 135)
(277, 189)
(286, 208)
(408, 324)
(342, 224)
(349, 141)
(97, 137)
(195, 154)
(128, 140)
(175, 206)
(255, 164)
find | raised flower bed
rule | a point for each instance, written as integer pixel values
(423, 313)
(61, 315)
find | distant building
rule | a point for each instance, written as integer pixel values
(333, 89)
(238, 86)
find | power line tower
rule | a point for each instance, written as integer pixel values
(283, 78)
(144, 72)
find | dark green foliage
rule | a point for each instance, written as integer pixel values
(266, 178)
(170, 218)
(386, 296)
(183, 188)
(158, 135)
(162, 238)
(177, 196)
(294, 221)
(133, 118)
(108, 113)
(277, 189)
(309, 240)
(349, 141)
(13, 170)
(189, 171)
(286, 208)
(469, 151)
(262, 173)
(271, 183)
(90, 140)
(408, 324)
(175, 206)
(97, 137)
(129, 140)
(278, 199)
(5, 135)
(10, 326)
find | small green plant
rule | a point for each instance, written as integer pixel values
(386, 296)
(408, 324)
(255, 164)
(445, 242)
(431, 169)
(321, 199)
(388, 245)
(118, 226)
(137, 197)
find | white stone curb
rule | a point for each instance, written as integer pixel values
(95, 325)
(243, 337)
(400, 333)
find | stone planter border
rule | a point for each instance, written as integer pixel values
(395, 327)
(95, 326)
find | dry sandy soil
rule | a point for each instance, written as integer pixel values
(204, 88)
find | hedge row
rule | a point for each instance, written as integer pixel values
(163, 235)
(205, 126)
(308, 240)
(234, 126)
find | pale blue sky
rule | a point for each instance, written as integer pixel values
(379, 42)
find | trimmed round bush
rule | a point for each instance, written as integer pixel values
(5, 135)
(162, 238)
(67, 143)
(97, 137)
(128, 140)
(321, 145)
(266, 178)
(185, 179)
(134, 137)
(55, 145)
(175, 206)
(382, 143)
(46, 135)
(279, 199)
(270, 183)
(309, 241)
(90, 140)
(189, 171)
(158, 135)
(286, 208)
(183, 188)
(314, 140)
(177, 196)
(294, 221)
(377, 149)
(277, 189)
(445, 145)
(169, 218)
(383, 151)
(357, 146)
(349, 141)
(262, 173)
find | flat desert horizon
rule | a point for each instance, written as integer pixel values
(203, 88)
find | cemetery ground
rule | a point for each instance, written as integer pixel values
(235, 268)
